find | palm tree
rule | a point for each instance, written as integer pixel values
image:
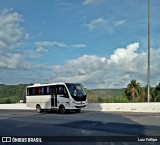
(133, 90)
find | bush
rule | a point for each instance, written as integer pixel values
(101, 100)
(118, 99)
(8, 101)
(121, 99)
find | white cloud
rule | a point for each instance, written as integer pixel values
(124, 54)
(14, 61)
(2, 44)
(11, 36)
(113, 72)
(41, 49)
(34, 53)
(119, 22)
(99, 22)
(49, 44)
(11, 31)
(93, 2)
(78, 46)
(84, 69)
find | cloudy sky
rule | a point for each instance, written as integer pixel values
(99, 43)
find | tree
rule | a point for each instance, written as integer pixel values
(133, 91)
(157, 93)
(154, 93)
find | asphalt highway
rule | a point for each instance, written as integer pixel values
(80, 128)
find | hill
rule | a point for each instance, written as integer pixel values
(12, 93)
(15, 93)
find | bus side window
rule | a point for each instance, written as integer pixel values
(33, 91)
(62, 91)
(42, 90)
(48, 90)
(39, 91)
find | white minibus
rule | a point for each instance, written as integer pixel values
(56, 96)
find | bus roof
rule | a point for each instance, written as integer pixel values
(48, 84)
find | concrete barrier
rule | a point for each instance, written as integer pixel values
(18, 106)
(124, 107)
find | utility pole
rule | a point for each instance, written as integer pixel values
(148, 74)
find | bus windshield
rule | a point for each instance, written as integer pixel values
(77, 92)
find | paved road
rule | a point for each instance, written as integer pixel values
(92, 124)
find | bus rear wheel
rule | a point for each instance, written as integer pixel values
(38, 108)
(62, 109)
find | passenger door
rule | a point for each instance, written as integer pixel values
(54, 96)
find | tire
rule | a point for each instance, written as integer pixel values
(62, 109)
(38, 109)
(77, 110)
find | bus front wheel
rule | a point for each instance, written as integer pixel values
(38, 108)
(62, 109)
